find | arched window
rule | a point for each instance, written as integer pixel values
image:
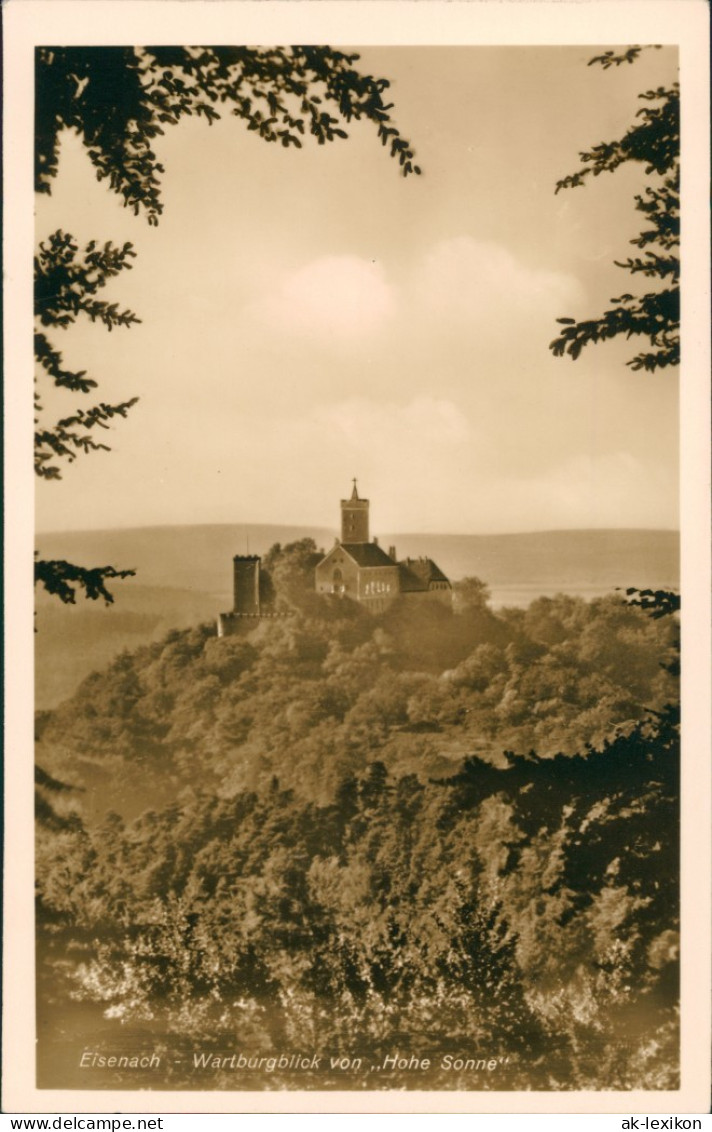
(337, 575)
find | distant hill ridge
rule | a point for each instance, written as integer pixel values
(200, 557)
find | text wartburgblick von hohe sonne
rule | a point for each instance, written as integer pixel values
(316, 1062)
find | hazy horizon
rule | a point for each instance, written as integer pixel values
(321, 527)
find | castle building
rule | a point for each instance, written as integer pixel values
(356, 567)
(248, 606)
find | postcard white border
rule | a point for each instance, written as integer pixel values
(352, 22)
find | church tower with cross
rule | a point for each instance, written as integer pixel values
(356, 567)
(354, 518)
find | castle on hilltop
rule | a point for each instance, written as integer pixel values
(356, 568)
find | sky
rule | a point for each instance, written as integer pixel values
(310, 316)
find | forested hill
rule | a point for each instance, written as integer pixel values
(314, 695)
(446, 836)
(184, 577)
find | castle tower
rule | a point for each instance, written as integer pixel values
(246, 577)
(354, 518)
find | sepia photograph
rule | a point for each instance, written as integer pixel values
(357, 565)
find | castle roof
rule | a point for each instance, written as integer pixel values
(367, 554)
(417, 573)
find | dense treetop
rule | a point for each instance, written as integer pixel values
(119, 100)
(653, 141)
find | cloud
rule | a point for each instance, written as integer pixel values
(301, 464)
(413, 427)
(461, 292)
(613, 489)
(483, 285)
(342, 297)
(426, 466)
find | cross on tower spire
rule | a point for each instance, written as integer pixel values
(354, 518)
